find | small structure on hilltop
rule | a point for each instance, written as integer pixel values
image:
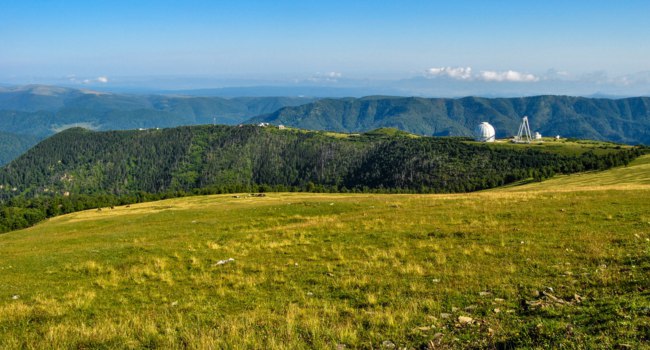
(484, 132)
(538, 136)
(523, 136)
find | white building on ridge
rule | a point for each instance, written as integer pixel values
(484, 132)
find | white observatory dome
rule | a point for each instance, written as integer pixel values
(484, 132)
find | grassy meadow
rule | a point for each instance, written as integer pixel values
(560, 264)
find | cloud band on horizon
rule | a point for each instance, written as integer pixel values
(465, 73)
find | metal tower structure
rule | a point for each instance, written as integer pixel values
(524, 135)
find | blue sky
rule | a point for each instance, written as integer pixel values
(330, 41)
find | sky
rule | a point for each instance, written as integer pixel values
(418, 47)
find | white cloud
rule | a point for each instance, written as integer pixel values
(102, 80)
(460, 73)
(331, 77)
(507, 76)
(554, 74)
(465, 73)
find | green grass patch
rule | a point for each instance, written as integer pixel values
(547, 265)
(566, 147)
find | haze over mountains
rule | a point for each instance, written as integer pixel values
(31, 113)
(42, 110)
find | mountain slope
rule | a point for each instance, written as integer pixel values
(13, 145)
(242, 158)
(624, 120)
(43, 110)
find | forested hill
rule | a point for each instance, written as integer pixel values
(225, 158)
(622, 120)
(38, 111)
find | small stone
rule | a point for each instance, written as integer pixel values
(15, 297)
(484, 293)
(435, 280)
(310, 294)
(387, 344)
(221, 262)
(454, 309)
(465, 320)
(496, 310)
(470, 308)
(445, 315)
(174, 303)
(535, 293)
(498, 300)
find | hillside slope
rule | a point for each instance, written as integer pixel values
(560, 268)
(624, 120)
(41, 111)
(226, 158)
(13, 145)
(634, 176)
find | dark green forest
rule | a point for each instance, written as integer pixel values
(79, 169)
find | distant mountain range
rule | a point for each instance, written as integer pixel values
(31, 113)
(624, 120)
(43, 110)
(37, 111)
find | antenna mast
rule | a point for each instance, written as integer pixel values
(524, 135)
